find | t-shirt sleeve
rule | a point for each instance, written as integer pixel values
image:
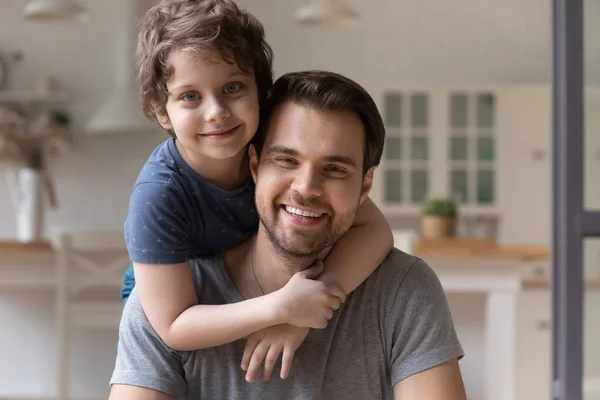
(423, 333)
(157, 228)
(143, 359)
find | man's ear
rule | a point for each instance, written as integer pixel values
(253, 161)
(367, 184)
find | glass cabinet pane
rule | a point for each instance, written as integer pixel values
(485, 110)
(485, 186)
(419, 110)
(419, 185)
(393, 148)
(458, 110)
(459, 149)
(419, 148)
(485, 149)
(459, 185)
(393, 186)
(393, 109)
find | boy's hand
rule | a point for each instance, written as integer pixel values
(267, 345)
(307, 303)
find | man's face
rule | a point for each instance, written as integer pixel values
(309, 180)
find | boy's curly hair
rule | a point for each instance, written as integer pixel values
(218, 27)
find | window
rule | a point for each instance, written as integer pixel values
(472, 147)
(407, 148)
(439, 142)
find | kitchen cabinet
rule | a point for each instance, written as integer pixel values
(534, 342)
(502, 141)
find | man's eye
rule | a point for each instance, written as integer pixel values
(335, 170)
(287, 161)
(231, 88)
(190, 96)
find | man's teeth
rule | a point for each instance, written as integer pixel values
(302, 213)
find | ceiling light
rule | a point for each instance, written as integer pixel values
(54, 11)
(327, 13)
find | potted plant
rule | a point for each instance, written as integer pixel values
(438, 217)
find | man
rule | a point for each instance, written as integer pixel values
(393, 337)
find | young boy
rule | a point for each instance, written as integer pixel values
(204, 69)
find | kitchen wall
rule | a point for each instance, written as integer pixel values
(428, 41)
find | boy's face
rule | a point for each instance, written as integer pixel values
(212, 106)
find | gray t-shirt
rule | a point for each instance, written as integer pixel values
(397, 323)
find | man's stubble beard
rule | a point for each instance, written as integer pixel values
(303, 244)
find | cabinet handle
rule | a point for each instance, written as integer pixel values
(543, 325)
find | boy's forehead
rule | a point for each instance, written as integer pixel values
(189, 66)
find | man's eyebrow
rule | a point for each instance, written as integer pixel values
(335, 158)
(283, 150)
(341, 160)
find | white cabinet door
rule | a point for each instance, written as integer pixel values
(591, 347)
(524, 156)
(533, 345)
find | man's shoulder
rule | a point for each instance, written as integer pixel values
(398, 264)
(401, 275)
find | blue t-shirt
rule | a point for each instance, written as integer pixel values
(176, 215)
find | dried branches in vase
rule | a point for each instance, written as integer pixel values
(24, 145)
(24, 149)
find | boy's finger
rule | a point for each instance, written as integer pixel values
(338, 292)
(286, 361)
(270, 360)
(257, 358)
(248, 351)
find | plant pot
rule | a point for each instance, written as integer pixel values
(433, 227)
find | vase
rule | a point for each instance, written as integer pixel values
(26, 190)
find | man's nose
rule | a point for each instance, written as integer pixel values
(215, 110)
(308, 182)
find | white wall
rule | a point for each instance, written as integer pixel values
(407, 41)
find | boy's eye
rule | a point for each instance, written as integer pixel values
(232, 88)
(190, 96)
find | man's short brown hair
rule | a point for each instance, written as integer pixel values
(322, 90)
(212, 27)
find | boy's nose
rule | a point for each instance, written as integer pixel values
(215, 111)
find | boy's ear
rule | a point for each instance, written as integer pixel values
(253, 161)
(164, 121)
(367, 184)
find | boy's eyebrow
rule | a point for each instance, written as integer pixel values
(190, 85)
(336, 158)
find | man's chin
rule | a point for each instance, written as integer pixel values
(301, 248)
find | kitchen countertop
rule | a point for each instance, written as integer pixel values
(460, 247)
(463, 247)
(14, 246)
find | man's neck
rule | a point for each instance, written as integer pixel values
(257, 267)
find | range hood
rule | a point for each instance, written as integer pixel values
(121, 111)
